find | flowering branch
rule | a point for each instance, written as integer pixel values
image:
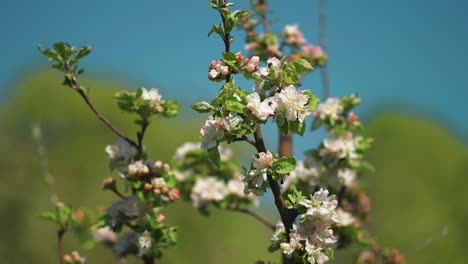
(287, 217)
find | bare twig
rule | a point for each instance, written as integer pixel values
(60, 234)
(441, 235)
(140, 135)
(42, 151)
(246, 139)
(76, 86)
(323, 45)
(256, 215)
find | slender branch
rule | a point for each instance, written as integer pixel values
(439, 236)
(246, 139)
(118, 193)
(286, 218)
(140, 135)
(76, 86)
(226, 38)
(148, 260)
(256, 215)
(60, 234)
(323, 44)
(266, 23)
(42, 151)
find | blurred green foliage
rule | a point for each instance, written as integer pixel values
(417, 189)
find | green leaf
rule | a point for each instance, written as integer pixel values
(48, 216)
(214, 156)
(284, 165)
(230, 58)
(234, 105)
(302, 66)
(170, 108)
(82, 52)
(218, 30)
(202, 107)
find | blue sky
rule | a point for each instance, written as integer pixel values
(401, 53)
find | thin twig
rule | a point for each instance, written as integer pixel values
(76, 86)
(256, 215)
(42, 151)
(323, 45)
(246, 139)
(226, 39)
(441, 235)
(140, 136)
(60, 234)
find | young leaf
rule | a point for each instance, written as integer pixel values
(202, 107)
(284, 165)
(214, 156)
(48, 216)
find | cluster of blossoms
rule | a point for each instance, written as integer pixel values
(312, 239)
(218, 69)
(275, 95)
(268, 44)
(293, 36)
(214, 190)
(204, 184)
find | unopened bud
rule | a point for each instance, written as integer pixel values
(147, 186)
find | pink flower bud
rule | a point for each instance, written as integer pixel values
(161, 218)
(224, 70)
(239, 56)
(167, 167)
(174, 194)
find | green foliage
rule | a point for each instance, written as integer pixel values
(284, 165)
(202, 107)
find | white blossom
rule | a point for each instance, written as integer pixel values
(291, 105)
(236, 187)
(342, 146)
(104, 234)
(315, 255)
(184, 149)
(211, 132)
(152, 96)
(262, 110)
(120, 154)
(346, 218)
(144, 243)
(346, 176)
(289, 248)
(137, 168)
(331, 108)
(279, 228)
(158, 183)
(274, 63)
(213, 74)
(293, 36)
(304, 172)
(207, 190)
